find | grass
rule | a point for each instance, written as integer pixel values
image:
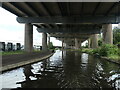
(36, 51)
(15, 52)
(89, 51)
(11, 52)
(115, 57)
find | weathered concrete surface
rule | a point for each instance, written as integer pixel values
(80, 43)
(94, 41)
(13, 61)
(28, 38)
(62, 44)
(107, 34)
(76, 43)
(44, 42)
(48, 39)
(89, 42)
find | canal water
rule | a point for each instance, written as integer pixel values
(65, 69)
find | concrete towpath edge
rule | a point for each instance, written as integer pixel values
(12, 66)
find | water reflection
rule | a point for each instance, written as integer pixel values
(10, 78)
(65, 69)
(27, 72)
(84, 60)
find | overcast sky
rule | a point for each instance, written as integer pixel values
(12, 31)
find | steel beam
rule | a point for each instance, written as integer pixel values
(71, 20)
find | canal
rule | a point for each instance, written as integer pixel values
(65, 69)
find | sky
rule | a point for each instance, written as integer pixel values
(12, 31)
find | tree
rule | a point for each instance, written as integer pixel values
(100, 40)
(51, 46)
(116, 35)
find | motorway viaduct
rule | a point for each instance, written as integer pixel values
(70, 22)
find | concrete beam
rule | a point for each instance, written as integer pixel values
(107, 34)
(71, 41)
(28, 40)
(68, 35)
(71, 20)
(85, 30)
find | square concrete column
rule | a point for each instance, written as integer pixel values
(67, 46)
(107, 34)
(48, 40)
(28, 40)
(89, 43)
(62, 44)
(44, 42)
(94, 41)
(76, 43)
(80, 43)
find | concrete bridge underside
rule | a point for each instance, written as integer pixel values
(70, 22)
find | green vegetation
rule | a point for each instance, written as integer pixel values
(50, 46)
(99, 40)
(15, 52)
(116, 36)
(114, 57)
(36, 51)
(106, 50)
(11, 52)
(86, 50)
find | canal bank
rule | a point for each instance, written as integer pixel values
(106, 58)
(17, 60)
(65, 69)
(95, 52)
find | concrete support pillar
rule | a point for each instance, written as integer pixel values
(28, 40)
(76, 43)
(94, 41)
(89, 43)
(80, 43)
(107, 34)
(48, 40)
(67, 45)
(44, 42)
(62, 44)
(1, 4)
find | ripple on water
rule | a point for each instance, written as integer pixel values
(65, 69)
